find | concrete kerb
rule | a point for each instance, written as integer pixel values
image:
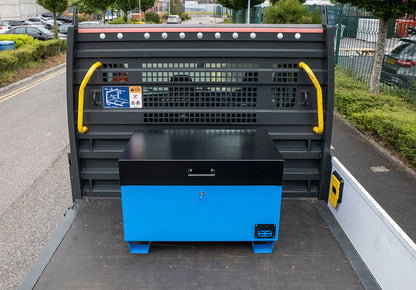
(380, 148)
(31, 78)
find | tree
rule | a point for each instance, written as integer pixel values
(84, 8)
(175, 7)
(145, 5)
(126, 6)
(101, 5)
(56, 7)
(384, 10)
(239, 4)
(289, 12)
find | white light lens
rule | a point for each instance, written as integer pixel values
(199, 35)
(146, 35)
(119, 35)
(280, 35)
(164, 35)
(252, 35)
(102, 35)
(217, 35)
(235, 35)
(182, 35)
(297, 35)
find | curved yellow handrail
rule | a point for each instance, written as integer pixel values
(82, 129)
(312, 76)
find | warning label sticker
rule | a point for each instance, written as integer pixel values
(123, 97)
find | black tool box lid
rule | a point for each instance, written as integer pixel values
(201, 156)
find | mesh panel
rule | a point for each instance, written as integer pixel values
(200, 118)
(199, 76)
(115, 76)
(284, 97)
(199, 97)
(285, 77)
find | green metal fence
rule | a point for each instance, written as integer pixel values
(355, 43)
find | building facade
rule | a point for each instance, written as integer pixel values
(19, 9)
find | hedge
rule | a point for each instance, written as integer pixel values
(35, 51)
(152, 17)
(389, 117)
(19, 39)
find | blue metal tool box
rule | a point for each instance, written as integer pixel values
(201, 185)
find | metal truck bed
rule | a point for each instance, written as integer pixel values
(93, 255)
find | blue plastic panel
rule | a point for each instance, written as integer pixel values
(199, 213)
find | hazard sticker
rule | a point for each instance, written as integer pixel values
(123, 97)
(135, 97)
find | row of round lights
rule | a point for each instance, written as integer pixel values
(200, 35)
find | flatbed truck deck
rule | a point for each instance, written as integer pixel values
(93, 255)
(277, 78)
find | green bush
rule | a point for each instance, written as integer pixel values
(8, 60)
(387, 116)
(152, 17)
(13, 59)
(119, 20)
(19, 39)
(290, 12)
(185, 16)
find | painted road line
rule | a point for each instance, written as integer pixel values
(29, 86)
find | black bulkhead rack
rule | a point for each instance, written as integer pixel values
(234, 76)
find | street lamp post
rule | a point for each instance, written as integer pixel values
(248, 12)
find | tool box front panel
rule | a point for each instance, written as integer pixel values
(201, 213)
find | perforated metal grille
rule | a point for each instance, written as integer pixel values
(285, 77)
(199, 97)
(200, 118)
(199, 76)
(117, 74)
(285, 65)
(193, 65)
(283, 97)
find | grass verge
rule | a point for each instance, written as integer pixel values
(389, 117)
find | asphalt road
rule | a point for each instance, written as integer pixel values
(35, 190)
(202, 19)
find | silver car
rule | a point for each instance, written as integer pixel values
(174, 19)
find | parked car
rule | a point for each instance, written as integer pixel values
(64, 29)
(399, 65)
(37, 32)
(174, 19)
(91, 23)
(37, 19)
(4, 28)
(13, 22)
(63, 18)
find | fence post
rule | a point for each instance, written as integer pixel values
(339, 31)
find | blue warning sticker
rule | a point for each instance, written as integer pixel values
(123, 97)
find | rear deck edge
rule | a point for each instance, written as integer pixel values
(36, 270)
(364, 275)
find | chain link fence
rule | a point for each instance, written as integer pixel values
(355, 43)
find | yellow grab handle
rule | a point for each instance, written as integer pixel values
(81, 128)
(312, 76)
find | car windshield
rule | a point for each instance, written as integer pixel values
(405, 47)
(172, 17)
(43, 29)
(63, 29)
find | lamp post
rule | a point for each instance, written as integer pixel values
(248, 12)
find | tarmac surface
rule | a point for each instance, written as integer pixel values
(390, 183)
(35, 190)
